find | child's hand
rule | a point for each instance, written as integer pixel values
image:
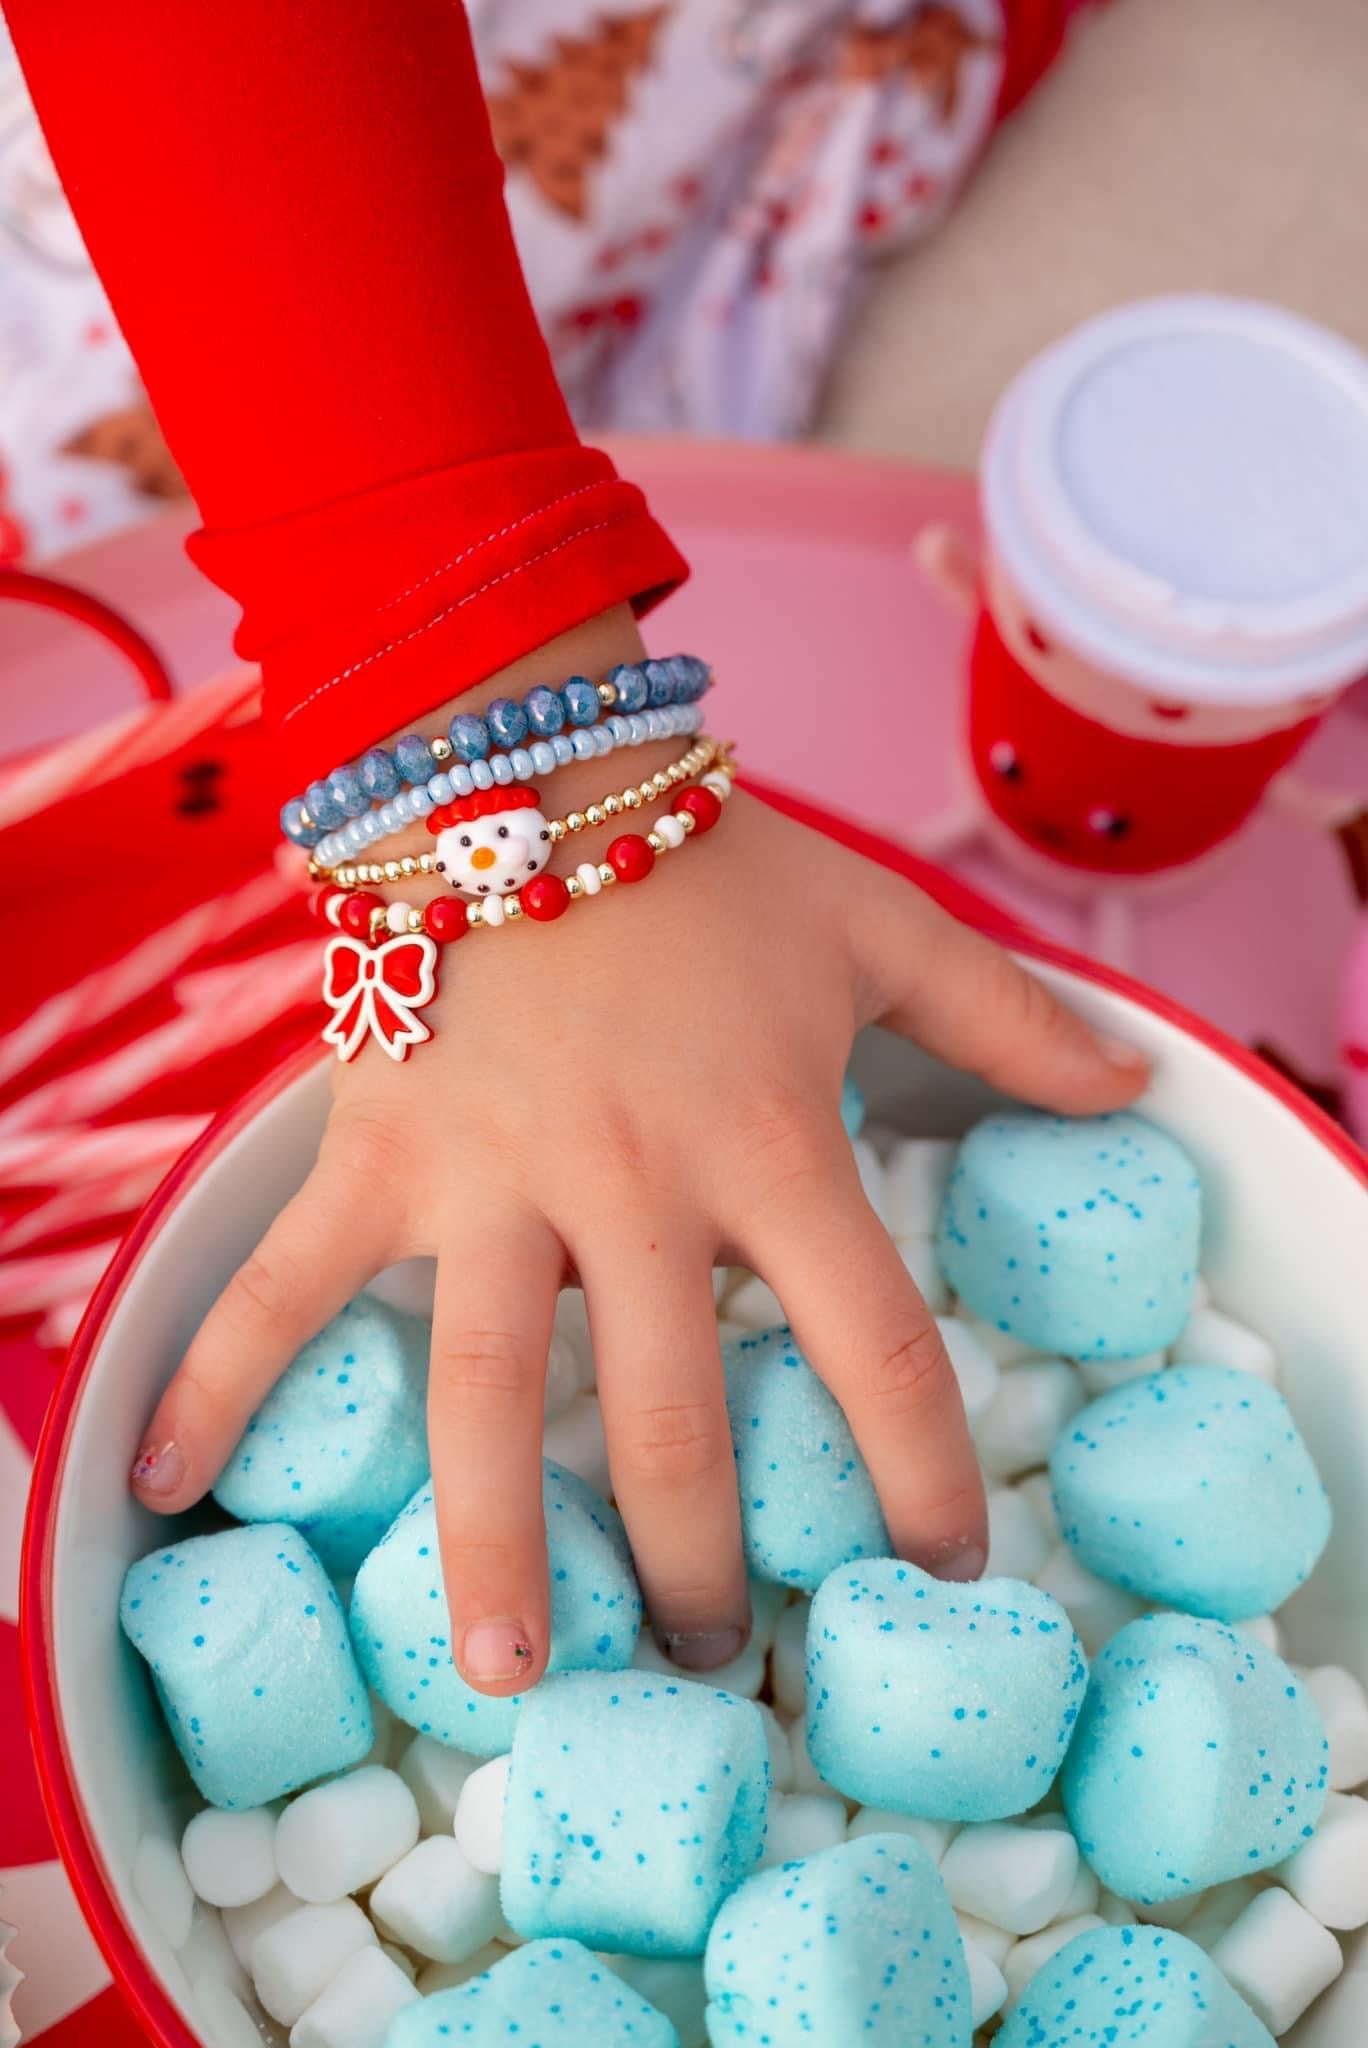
(645, 1089)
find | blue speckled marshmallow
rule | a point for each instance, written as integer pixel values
(852, 1106)
(251, 1661)
(807, 1501)
(635, 1806)
(1131, 1987)
(402, 1631)
(1193, 1488)
(952, 1702)
(548, 1994)
(1198, 1757)
(1077, 1235)
(858, 1943)
(340, 1442)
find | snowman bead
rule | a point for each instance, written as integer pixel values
(489, 845)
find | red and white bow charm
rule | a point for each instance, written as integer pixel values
(374, 992)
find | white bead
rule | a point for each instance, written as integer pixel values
(788, 1658)
(935, 1836)
(435, 1775)
(987, 1986)
(590, 879)
(243, 1924)
(1343, 1707)
(342, 1834)
(300, 1955)
(229, 1858)
(918, 1254)
(975, 1368)
(1026, 1957)
(1330, 1875)
(1213, 1339)
(1015, 1877)
(397, 917)
(1096, 1609)
(719, 784)
(1017, 1545)
(480, 1816)
(576, 1440)
(1033, 1402)
(163, 1888)
(332, 909)
(802, 1824)
(491, 910)
(1278, 1958)
(670, 829)
(355, 2009)
(449, 1976)
(437, 1902)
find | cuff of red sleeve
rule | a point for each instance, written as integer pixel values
(367, 613)
(1033, 35)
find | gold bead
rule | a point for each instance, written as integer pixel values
(393, 871)
(575, 820)
(415, 920)
(409, 866)
(607, 695)
(557, 828)
(573, 887)
(607, 875)
(377, 922)
(595, 815)
(647, 792)
(612, 805)
(661, 781)
(688, 821)
(632, 798)
(441, 749)
(513, 909)
(655, 842)
(473, 914)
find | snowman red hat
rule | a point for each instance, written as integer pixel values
(490, 843)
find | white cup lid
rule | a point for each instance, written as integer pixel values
(1179, 491)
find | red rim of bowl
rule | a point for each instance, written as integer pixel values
(132, 1973)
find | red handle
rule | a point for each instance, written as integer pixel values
(26, 588)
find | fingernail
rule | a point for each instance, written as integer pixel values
(957, 1561)
(158, 1468)
(704, 1652)
(495, 1650)
(1117, 1053)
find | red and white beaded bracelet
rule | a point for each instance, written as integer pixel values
(381, 969)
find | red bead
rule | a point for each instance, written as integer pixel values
(704, 808)
(545, 897)
(630, 858)
(321, 898)
(355, 914)
(444, 919)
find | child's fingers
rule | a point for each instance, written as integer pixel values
(871, 1337)
(669, 1445)
(496, 1297)
(967, 1001)
(322, 1247)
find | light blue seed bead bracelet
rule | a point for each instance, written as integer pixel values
(342, 813)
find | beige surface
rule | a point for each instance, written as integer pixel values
(1180, 145)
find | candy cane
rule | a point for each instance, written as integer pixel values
(98, 1200)
(30, 1286)
(51, 1159)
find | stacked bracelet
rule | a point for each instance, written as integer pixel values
(382, 965)
(366, 800)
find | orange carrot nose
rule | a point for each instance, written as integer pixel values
(483, 857)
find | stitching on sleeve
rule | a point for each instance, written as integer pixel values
(499, 533)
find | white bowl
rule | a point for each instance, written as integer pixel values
(1287, 1204)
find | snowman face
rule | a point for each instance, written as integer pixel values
(495, 855)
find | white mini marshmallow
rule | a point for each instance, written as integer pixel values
(162, 1886)
(1264, 1629)
(576, 1440)
(1096, 1609)
(447, 1976)
(1006, 1350)
(743, 1674)
(1085, 1896)
(1036, 1488)
(1343, 1706)
(1219, 1909)
(1211, 1338)
(918, 1254)
(990, 1941)
(869, 1166)
(788, 1658)
(1172, 1913)
(411, 1285)
(1115, 1912)
(1015, 1877)
(915, 1174)
(675, 1988)
(391, 1734)
(435, 1901)
(755, 1305)
(355, 2009)
(401, 1959)
(780, 1755)
(1100, 1375)
(298, 1957)
(565, 1376)
(434, 1775)
(934, 1836)
(479, 1820)
(209, 1951)
(1278, 1958)
(767, 1603)
(228, 2022)
(805, 1774)
(1024, 1958)
(648, 1656)
(987, 1986)
(1330, 1875)
(801, 1824)
(343, 1834)
(242, 1924)
(1031, 1406)
(229, 1858)
(975, 1367)
(1017, 1545)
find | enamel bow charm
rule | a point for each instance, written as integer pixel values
(376, 992)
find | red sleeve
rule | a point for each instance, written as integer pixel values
(297, 211)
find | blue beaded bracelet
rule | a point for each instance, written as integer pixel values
(346, 796)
